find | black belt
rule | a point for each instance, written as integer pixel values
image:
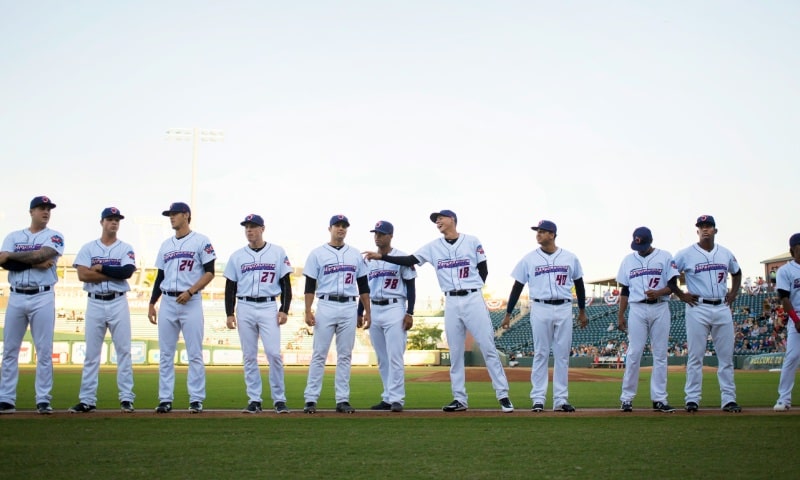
(31, 291)
(560, 301)
(460, 293)
(172, 294)
(334, 298)
(651, 301)
(384, 302)
(106, 296)
(257, 299)
(712, 302)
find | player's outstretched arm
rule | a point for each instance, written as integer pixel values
(402, 260)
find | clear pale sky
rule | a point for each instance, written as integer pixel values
(600, 116)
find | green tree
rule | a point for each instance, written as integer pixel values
(423, 337)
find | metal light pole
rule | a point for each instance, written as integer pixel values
(196, 135)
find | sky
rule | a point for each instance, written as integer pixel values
(599, 116)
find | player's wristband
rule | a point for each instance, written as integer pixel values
(190, 293)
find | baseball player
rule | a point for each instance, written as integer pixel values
(30, 256)
(788, 285)
(461, 269)
(256, 276)
(550, 273)
(706, 267)
(647, 277)
(392, 295)
(185, 266)
(105, 265)
(336, 276)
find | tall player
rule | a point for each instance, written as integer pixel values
(336, 276)
(647, 277)
(788, 285)
(392, 295)
(104, 266)
(30, 256)
(461, 269)
(706, 267)
(255, 276)
(550, 273)
(185, 265)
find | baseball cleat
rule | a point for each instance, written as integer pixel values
(626, 407)
(311, 407)
(454, 406)
(164, 407)
(781, 407)
(396, 407)
(345, 407)
(537, 407)
(564, 407)
(252, 407)
(6, 408)
(505, 405)
(662, 407)
(692, 407)
(381, 406)
(44, 408)
(82, 408)
(732, 407)
(196, 407)
(126, 406)
(280, 407)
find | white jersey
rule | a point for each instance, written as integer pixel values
(118, 254)
(641, 274)
(182, 260)
(457, 264)
(549, 276)
(258, 274)
(386, 279)
(27, 241)
(788, 278)
(336, 270)
(706, 273)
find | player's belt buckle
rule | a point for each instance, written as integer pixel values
(172, 294)
(257, 299)
(106, 296)
(712, 302)
(651, 301)
(460, 293)
(559, 301)
(334, 298)
(31, 291)
(384, 302)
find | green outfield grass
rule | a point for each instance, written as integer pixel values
(518, 445)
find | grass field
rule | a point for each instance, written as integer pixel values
(465, 445)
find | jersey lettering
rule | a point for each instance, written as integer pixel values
(653, 283)
(186, 265)
(463, 272)
(267, 277)
(561, 279)
(720, 277)
(390, 283)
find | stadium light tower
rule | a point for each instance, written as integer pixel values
(195, 135)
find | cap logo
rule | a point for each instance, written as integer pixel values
(637, 240)
(249, 217)
(702, 218)
(113, 210)
(45, 200)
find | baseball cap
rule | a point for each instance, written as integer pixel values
(444, 213)
(111, 212)
(42, 200)
(794, 240)
(546, 225)
(254, 219)
(383, 227)
(177, 207)
(339, 219)
(705, 220)
(642, 239)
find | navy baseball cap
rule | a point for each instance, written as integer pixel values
(383, 227)
(546, 225)
(42, 200)
(254, 219)
(177, 207)
(444, 213)
(339, 219)
(794, 240)
(705, 220)
(111, 212)
(642, 239)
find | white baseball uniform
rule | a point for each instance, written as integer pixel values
(32, 301)
(257, 275)
(182, 261)
(388, 296)
(456, 267)
(107, 309)
(335, 271)
(788, 278)
(646, 317)
(550, 278)
(706, 275)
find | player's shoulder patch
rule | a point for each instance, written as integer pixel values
(57, 240)
(479, 249)
(131, 255)
(286, 261)
(209, 249)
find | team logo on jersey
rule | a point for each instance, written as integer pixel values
(131, 255)
(175, 255)
(27, 247)
(547, 269)
(638, 272)
(57, 240)
(382, 273)
(252, 267)
(710, 267)
(459, 262)
(209, 249)
(286, 261)
(480, 250)
(329, 269)
(111, 262)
